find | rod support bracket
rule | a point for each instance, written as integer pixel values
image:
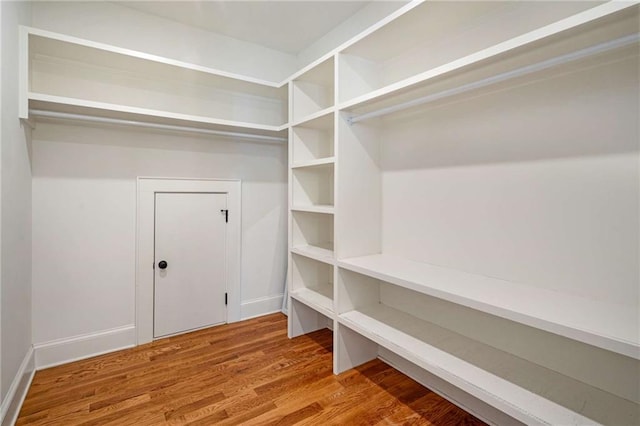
(28, 122)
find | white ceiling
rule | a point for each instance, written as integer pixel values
(287, 26)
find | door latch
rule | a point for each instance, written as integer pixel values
(226, 215)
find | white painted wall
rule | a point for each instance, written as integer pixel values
(111, 23)
(349, 28)
(84, 204)
(15, 212)
(537, 184)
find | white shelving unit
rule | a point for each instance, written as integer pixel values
(462, 152)
(69, 76)
(312, 183)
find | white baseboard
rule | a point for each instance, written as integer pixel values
(262, 306)
(75, 348)
(12, 402)
(462, 399)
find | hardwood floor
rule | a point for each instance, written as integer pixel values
(245, 373)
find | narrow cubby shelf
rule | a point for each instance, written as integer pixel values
(322, 252)
(305, 318)
(312, 283)
(606, 325)
(524, 390)
(65, 74)
(313, 92)
(313, 142)
(374, 78)
(326, 209)
(312, 163)
(313, 186)
(315, 116)
(317, 299)
(312, 235)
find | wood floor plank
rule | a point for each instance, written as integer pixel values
(237, 374)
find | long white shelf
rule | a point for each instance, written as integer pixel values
(63, 104)
(606, 325)
(320, 298)
(401, 91)
(74, 47)
(525, 391)
(320, 252)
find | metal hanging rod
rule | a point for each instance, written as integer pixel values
(143, 124)
(549, 63)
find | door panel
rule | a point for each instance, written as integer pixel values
(190, 238)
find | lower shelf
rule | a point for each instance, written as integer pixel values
(523, 390)
(320, 299)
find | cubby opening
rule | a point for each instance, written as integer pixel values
(312, 234)
(313, 141)
(305, 319)
(312, 283)
(313, 91)
(313, 186)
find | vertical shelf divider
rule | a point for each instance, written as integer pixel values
(311, 200)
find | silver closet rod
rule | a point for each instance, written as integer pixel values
(105, 120)
(558, 60)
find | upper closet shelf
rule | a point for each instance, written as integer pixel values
(48, 107)
(70, 75)
(606, 325)
(591, 33)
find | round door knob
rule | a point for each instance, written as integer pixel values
(162, 264)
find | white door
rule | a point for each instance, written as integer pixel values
(190, 248)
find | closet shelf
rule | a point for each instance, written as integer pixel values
(317, 115)
(320, 252)
(506, 76)
(500, 58)
(513, 385)
(45, 42)
(321, 208)
(66, 74)
(314, 163)
(320, 298)
(67, 105)
(606, 325)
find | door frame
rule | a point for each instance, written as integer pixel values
(145, 250)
